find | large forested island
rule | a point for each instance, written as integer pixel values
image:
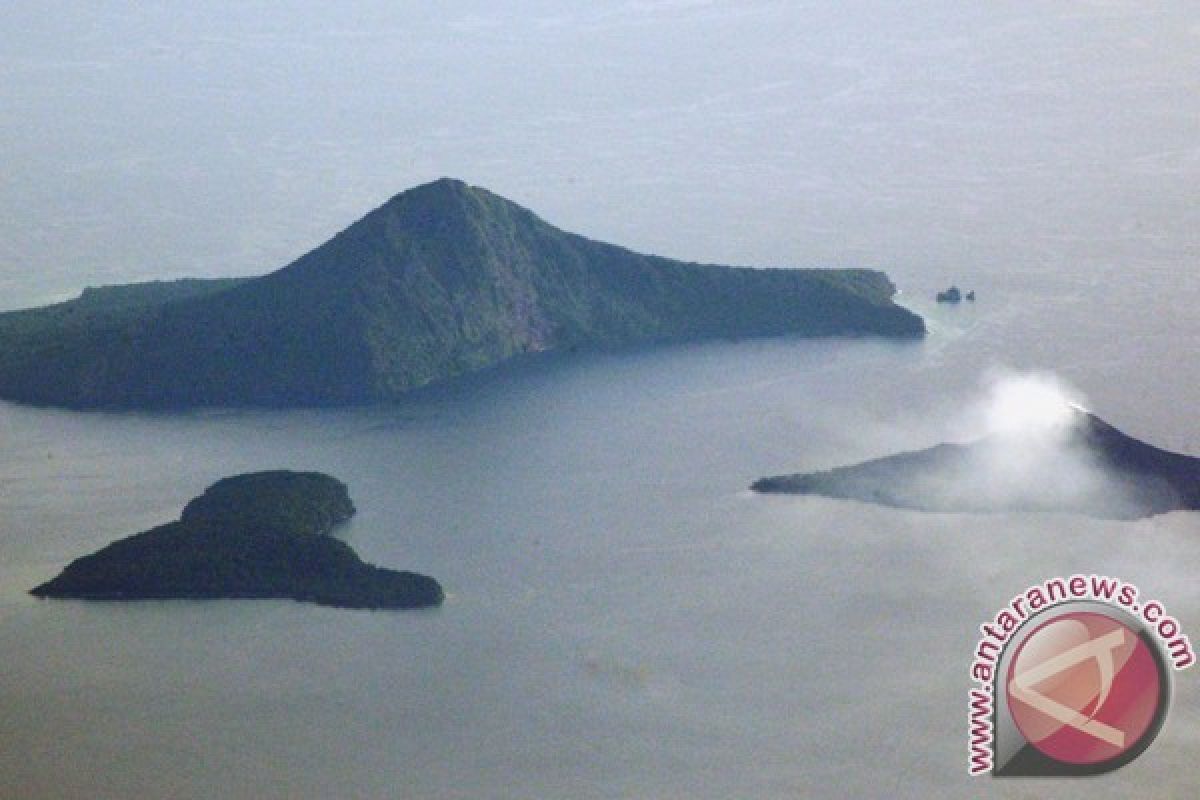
(1086, 467)
(264, 534)
(441, 280)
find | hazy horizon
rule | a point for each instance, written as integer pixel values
(938, 140)
(624, 618)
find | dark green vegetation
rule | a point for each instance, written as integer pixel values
(265, 534)
(1092, 469)
(441, 280)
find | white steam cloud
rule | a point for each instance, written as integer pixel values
(1027, 454)
(1033, 405)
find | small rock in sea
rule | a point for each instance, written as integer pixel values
(951, 295)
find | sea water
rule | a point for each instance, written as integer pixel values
(624, 619)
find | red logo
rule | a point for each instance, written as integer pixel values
(1084, 689)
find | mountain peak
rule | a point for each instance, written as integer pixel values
(441, 280)
(440, 186)
(435, 208)
(435, 192)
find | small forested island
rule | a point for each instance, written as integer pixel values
(1087, 467)
(263, 534)
(441, 280)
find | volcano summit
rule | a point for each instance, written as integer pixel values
(1083, 466)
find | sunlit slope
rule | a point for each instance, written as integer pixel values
(441, 280)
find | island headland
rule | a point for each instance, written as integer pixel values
(442, 280)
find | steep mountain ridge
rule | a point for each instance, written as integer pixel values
(441, 280)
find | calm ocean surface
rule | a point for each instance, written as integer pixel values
(624, 618)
